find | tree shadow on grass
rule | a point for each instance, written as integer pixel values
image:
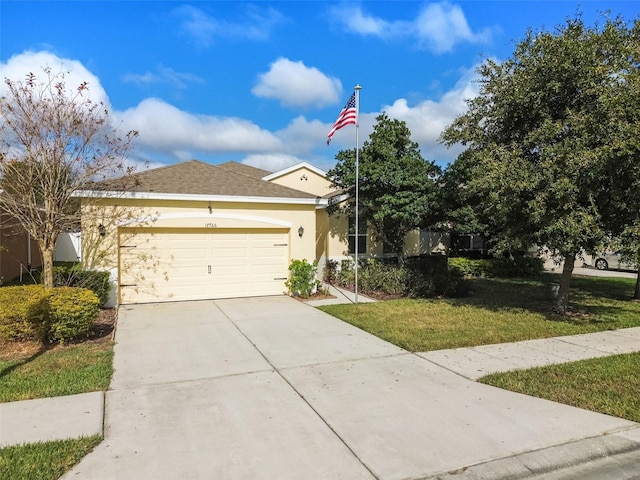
(592, 301)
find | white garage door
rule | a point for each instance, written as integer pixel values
(165, 265)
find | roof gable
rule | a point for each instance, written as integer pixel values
(293, 168)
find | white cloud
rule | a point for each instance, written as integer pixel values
(271, 162)
(428, 118)
(18, 66)
(203, 28)
(442, 25)
(356, 21)
(166, 129)
(163, 75)
(168, 134)
(302, 136)
(296, 85)
(439, 26)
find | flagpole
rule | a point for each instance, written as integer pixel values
(357, 88)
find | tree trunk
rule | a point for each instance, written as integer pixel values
(636, 294)
(565, 284)
(47, 267)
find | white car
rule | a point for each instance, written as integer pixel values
(611, 261)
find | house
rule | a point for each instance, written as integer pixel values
(198, 231)
(19, 253)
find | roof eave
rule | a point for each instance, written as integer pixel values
(199, 197)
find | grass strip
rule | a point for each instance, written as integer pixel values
(60, 371)
(44, 460)
(497, 311)
(607, 385)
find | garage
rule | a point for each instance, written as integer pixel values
(176, 264)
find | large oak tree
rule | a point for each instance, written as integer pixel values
(552, 139)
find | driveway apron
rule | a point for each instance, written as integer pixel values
(271, 388)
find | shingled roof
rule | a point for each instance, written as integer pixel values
(245, 169)
(199, 178)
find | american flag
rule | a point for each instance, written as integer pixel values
(347, 117)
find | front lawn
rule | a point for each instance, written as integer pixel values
(29, 370)
(607, 385)
(64, 370)
(44, 460)
(497, 311)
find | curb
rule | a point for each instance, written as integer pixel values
(548, 460)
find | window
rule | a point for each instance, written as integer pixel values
(361, 236)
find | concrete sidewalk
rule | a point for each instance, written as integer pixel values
(476, 362)
(54, 418)
(341, 296)
(272, 388)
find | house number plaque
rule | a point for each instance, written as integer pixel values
(210, 225)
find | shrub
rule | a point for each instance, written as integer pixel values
(471, 267)
(425, 276)
(521, 266)
(302, 281)
(517, 266)
(71, 276)
(72, 311)
(330, 271)
(24, 313)
(31, 312)
(377, 276)
(433, 276)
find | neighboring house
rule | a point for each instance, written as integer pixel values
(199, 231)
(19, 253)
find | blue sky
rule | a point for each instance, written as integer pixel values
(262, 82)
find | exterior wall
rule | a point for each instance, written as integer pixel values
(19, 252)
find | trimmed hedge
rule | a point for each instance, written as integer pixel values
(498, 267)
(425, 276)
(31, 312)
(73, 311)
(24, 313)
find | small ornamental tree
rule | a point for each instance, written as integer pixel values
(552, 140)
(54, 141)
(396, 185)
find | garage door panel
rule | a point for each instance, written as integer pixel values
(174, 265)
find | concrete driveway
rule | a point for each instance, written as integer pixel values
(271, 388)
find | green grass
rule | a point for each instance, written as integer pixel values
(60, 371)
(44, 460)
(607, 385)
(497, 311)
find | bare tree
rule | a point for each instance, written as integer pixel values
(54, 142)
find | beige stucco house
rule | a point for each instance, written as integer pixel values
(199, 231)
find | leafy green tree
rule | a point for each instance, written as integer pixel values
(396, 185)
(458, 205)
(54, 142)
(550, 139)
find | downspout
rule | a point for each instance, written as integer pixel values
(29, 251)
